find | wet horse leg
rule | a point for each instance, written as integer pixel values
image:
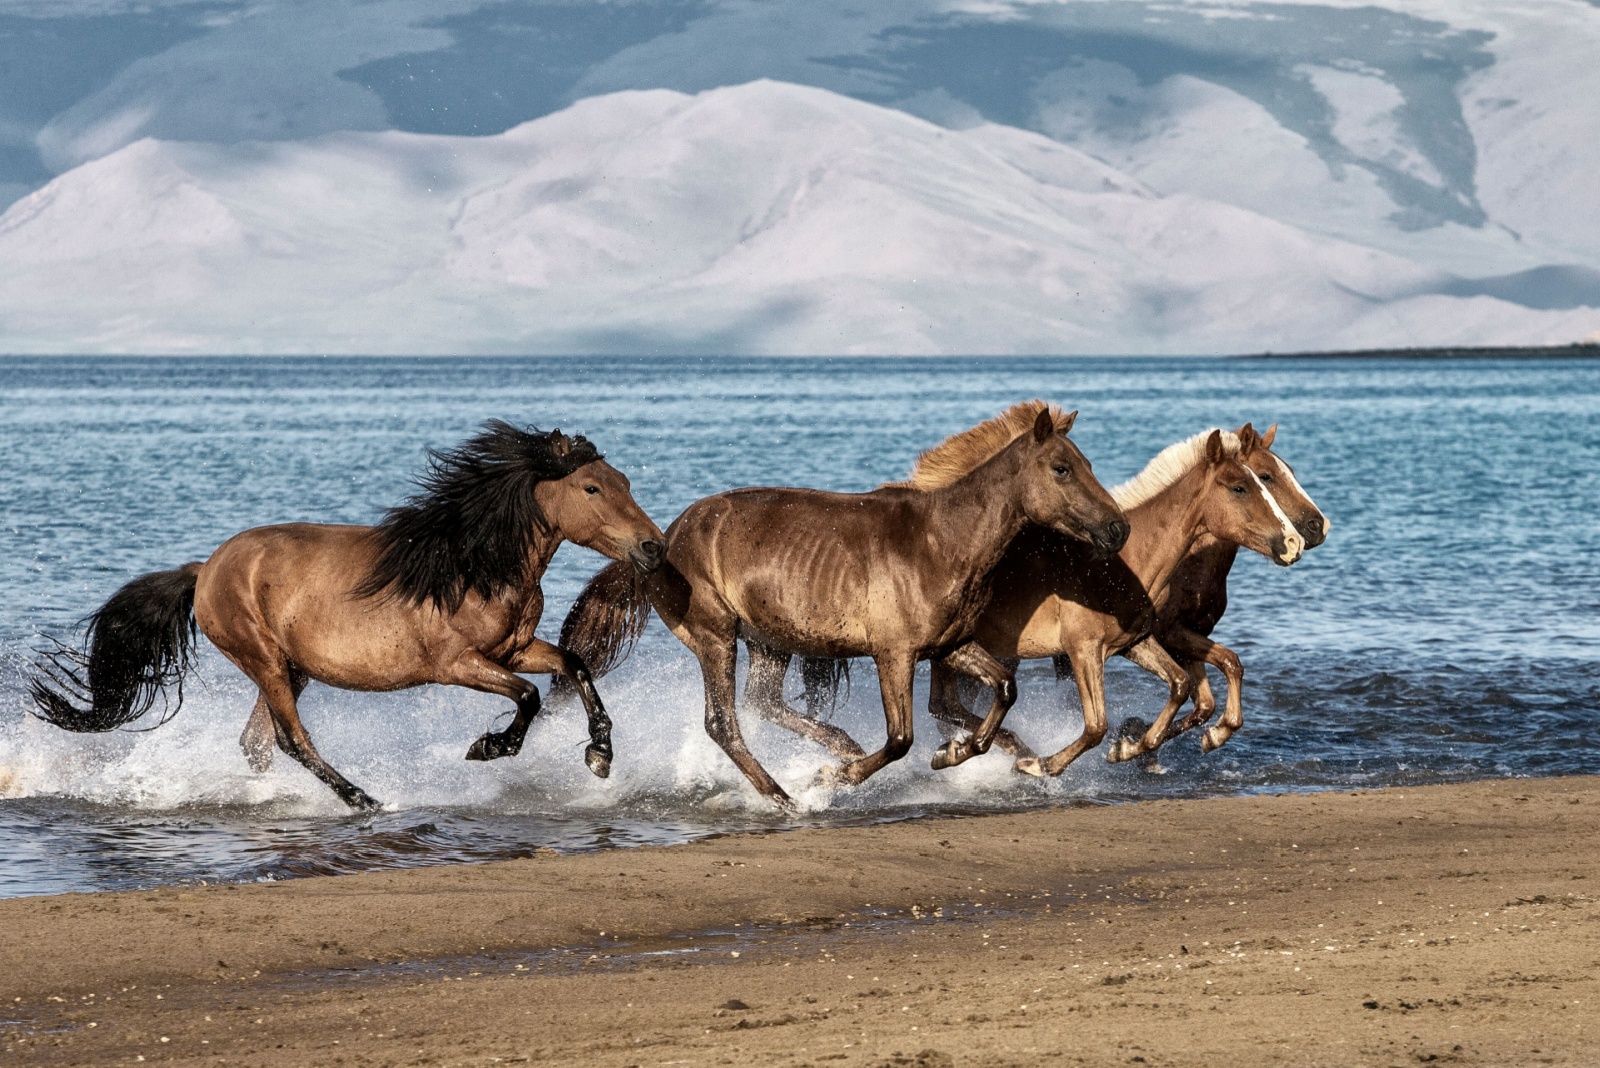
(763, 694)
(1198, 647)
(718, 655)
(275, 680)
(947, 704)
(973, 660)
(259, 739)
(540, 657)
(1149, 655)
(895, 674)
(1089, 671)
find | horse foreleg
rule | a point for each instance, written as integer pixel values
(948, 706)
(1149, 655)
(1198, 647)
(974, 660)
(1090, 674)
(763, 693)
(539, 657)
(475, 671)
(895, 675)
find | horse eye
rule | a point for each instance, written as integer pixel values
(591, 489)
(1060, 470)
(1239, 490)
(1265, 478)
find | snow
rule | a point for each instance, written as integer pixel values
(765, 217)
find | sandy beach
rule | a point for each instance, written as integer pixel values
(1396, 927)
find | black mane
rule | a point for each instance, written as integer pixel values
(474, 523)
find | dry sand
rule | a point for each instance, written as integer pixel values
(1397, 927)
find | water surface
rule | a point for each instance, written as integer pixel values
(1447, 630)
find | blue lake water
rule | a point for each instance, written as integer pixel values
(1447, 630)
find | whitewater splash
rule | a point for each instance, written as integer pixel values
(407, 749)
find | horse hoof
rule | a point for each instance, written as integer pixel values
(1030, 766)
(950, 754)
(599, 763)
(362, 801)
(1213, 738)
(1123, 749)
(829, 775)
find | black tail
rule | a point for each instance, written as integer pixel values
(605, 621)
(140, 642)
(823, 680)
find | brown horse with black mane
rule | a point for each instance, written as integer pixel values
(444, 590)
(896, 574)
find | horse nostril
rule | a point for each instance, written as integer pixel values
(1119, 531)
(652, 549)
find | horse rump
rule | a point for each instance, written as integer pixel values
(140, 642)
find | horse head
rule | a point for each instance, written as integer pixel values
(1059, 489)
(1236, 507)
(593, 506)
(1276, 474)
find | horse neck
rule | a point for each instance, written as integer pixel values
(541, 550)
(1164, 529)
(974, 520)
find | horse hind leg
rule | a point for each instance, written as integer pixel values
(277, 685)
(259, 737)
(718, 655)
(763, 694)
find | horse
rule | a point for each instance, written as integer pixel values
(897, 574)
(445, 589)
(1197, 596)
(1044, 587)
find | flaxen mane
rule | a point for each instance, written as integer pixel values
(959, 454)
(1169, 465)
(472, 527)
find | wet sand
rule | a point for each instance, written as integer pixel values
(1397, 927)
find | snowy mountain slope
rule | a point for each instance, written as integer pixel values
(1460, 133)
(765, 217)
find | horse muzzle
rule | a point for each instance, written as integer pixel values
(1313, 530)
(648, 555)
(1109, 539)
(1286, 550)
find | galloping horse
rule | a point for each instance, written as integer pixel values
(1050, 599)
(1197, 596)
(896, 574)
(444, 590)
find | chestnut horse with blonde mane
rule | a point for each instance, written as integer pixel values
(896, 574)
(444, 590)
(1197, 596)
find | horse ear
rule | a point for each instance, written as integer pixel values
(1043, 426)
(1266, 439)
(1248, 440)
(1215, 452)
(560, 444)
(1067, 421)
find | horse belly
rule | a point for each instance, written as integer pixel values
(278, 594)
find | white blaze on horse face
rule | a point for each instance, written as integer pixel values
(1283, 469)
(1293, 544)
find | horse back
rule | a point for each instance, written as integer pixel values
(811, 571)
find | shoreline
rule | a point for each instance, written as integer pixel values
(1405, 925)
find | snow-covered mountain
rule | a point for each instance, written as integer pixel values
(917, 175)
